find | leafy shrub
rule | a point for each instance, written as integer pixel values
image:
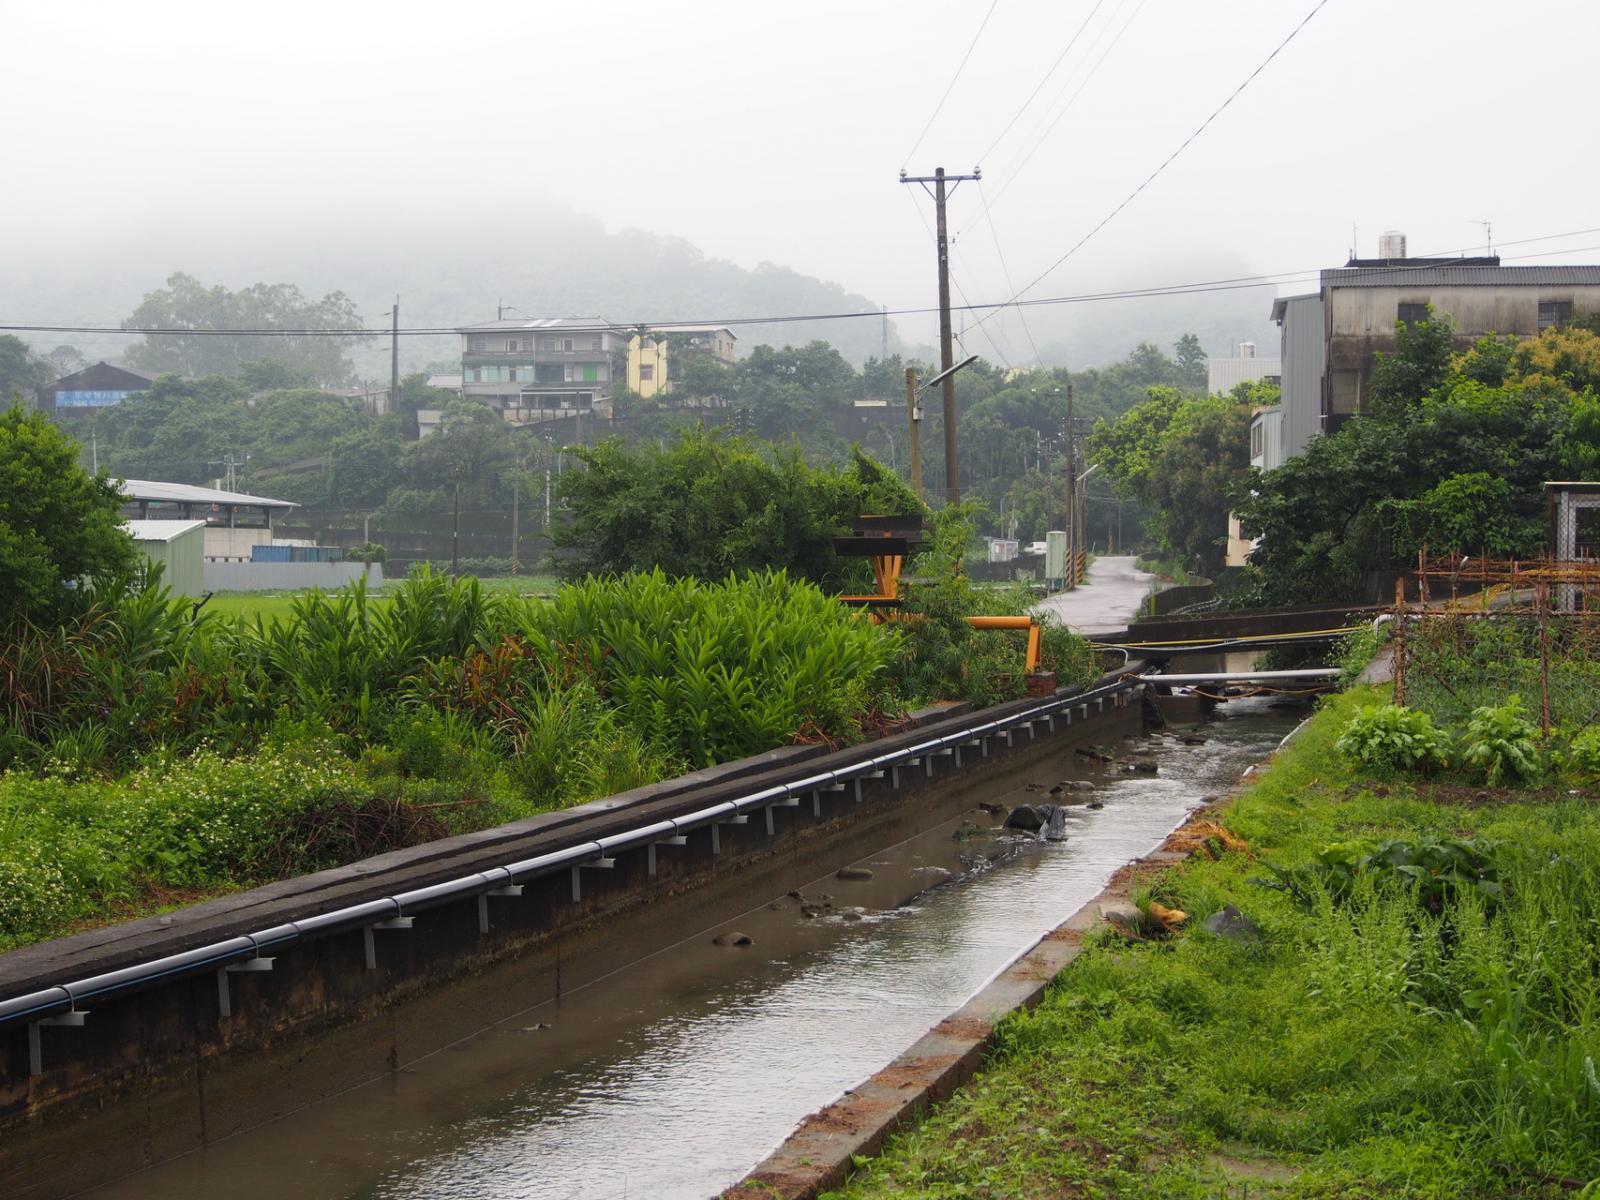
(1438, 870)
(1501, 743)
(1356, 650)
(1582, 756)
(1388, 738)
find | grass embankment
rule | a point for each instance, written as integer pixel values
(150, 756)
(1382, 1038)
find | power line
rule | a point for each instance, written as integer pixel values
(966, 305)
(1187, 142)
(1039, 87)
(937, 108)
(1199, 287)
(1005, 270)
(1043, 137)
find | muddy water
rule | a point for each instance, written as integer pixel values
(675, 1075)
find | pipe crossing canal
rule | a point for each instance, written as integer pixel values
(676, 1071)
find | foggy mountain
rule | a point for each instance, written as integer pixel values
(549, 260)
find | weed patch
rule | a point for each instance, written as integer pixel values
(1419, 1017)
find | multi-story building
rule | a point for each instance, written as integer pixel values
(1332, 337)
(552, 369)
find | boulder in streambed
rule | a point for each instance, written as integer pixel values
(1026, 818)
(853, 873)
(733, 938)
(1049, 821)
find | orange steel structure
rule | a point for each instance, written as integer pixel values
(886, 542)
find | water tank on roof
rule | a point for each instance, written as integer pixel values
(1247, 349)
(1392, 244)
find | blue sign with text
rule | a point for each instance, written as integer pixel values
(90, 399)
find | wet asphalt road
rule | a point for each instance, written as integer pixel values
(1106, 601)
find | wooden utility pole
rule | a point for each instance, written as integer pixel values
(1072, 500)
(394, 357)
(455, 535)
(914, 420)
(516, 505)
(952, 465)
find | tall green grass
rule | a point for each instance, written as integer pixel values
(1372, 1043)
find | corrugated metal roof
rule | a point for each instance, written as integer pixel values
(186, 493)
(576, 323)
(1554, 276)
(693, 329)
(160, 531)
(1281, 305)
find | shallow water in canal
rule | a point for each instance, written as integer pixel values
(675, 1075)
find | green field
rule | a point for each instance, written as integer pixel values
(274, 604)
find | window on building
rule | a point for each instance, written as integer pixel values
(550, 372)
(549, 343)
(512, 345)
(480, 343)
(477, 374)
(1412, 314)
(511, 375)
(647, 372)
(1554, 313)
(1256, 441)
(596, 344)
(566, 343)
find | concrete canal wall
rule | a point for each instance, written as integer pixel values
(149, 1070)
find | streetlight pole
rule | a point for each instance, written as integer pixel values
(914, 420)
(1072, 500)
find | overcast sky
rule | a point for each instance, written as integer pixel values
(774, 132)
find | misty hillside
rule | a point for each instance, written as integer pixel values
(548, 263)
(553, 261)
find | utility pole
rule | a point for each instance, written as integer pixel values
(914, 420)
(394, 358)
(952, 465)
(455, 535)
(1072, 500)
(516, 499)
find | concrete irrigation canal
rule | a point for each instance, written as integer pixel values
(665, 1054)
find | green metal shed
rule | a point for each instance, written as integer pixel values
(180, 547)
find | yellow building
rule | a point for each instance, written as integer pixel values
(650, 355)
(647, 364)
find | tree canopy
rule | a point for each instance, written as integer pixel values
(1455, 456)
(187, 304)
(708, 503)
(1186, 458)
(20, 371)
(58, 524)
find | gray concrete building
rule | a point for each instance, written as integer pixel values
(552, 369)
(1331, 339)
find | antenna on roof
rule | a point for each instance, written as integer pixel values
(1355, 242)
(1488, 236)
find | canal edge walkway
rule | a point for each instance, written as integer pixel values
(822, 1151)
